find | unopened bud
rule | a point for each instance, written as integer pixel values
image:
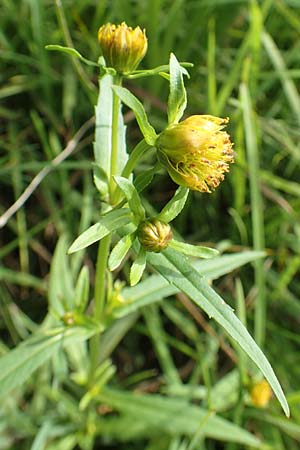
(154, 235)
(123, 47)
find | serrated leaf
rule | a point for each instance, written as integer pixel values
(103, 129)
(133, 103)
(72, 52)
(132, 197)
(108, 223)
(138, 267)
(175, 205)
(119, 252)
(177, 96)
(197, 251)
(81, 295)
(177, 270)
(17, 365)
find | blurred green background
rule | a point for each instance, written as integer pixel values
(246, 57)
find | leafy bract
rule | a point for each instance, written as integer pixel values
(132, 102)
(175, 205)
(138, 267)
(197, 251)
(109, 222)
(132, 197)
(72, 52)
(177, 97)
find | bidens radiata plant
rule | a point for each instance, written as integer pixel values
(196, 152)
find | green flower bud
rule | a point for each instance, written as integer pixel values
(123, 48)
(154, 235)
(196, 152)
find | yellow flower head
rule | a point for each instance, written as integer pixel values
(261, 394)
(154, 235)
(123, 48)
(196, 152)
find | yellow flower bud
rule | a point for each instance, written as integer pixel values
(154, 235)
(261, 394)
(196, 152)
(123, 48)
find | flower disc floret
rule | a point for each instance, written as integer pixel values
(196, 152)
(123, 47)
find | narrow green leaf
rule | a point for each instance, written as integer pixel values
(17, 365)
(176, 269)
(257, 211)
(138, 267)
(193, 250)
(132, 102)
(61, 289)
(144, 179)
(108, 223)
(119, 252)
(103, 129)
(155, 287)
(132, 197)
(72, 52)
(175, 205)
(166, 415)
(100, 180)
(289, 87)
(177, 97)
(81, 295)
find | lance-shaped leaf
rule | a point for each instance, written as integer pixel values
(132, 197)
(174, 206)
(176, 269)
(81, 295)
(138, 267)
(61, 289)
(198, 251)
(120, 250)
(173, 416)
(177, 97)
(109, 222)
(103, 129)
(17, 365)
(133, 103)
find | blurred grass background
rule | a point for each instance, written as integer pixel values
(246, 66)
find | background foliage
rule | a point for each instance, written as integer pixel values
(246, 66)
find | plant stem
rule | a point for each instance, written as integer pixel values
(104, 245)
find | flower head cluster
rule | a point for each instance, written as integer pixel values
(123, 47)
(196, 152)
